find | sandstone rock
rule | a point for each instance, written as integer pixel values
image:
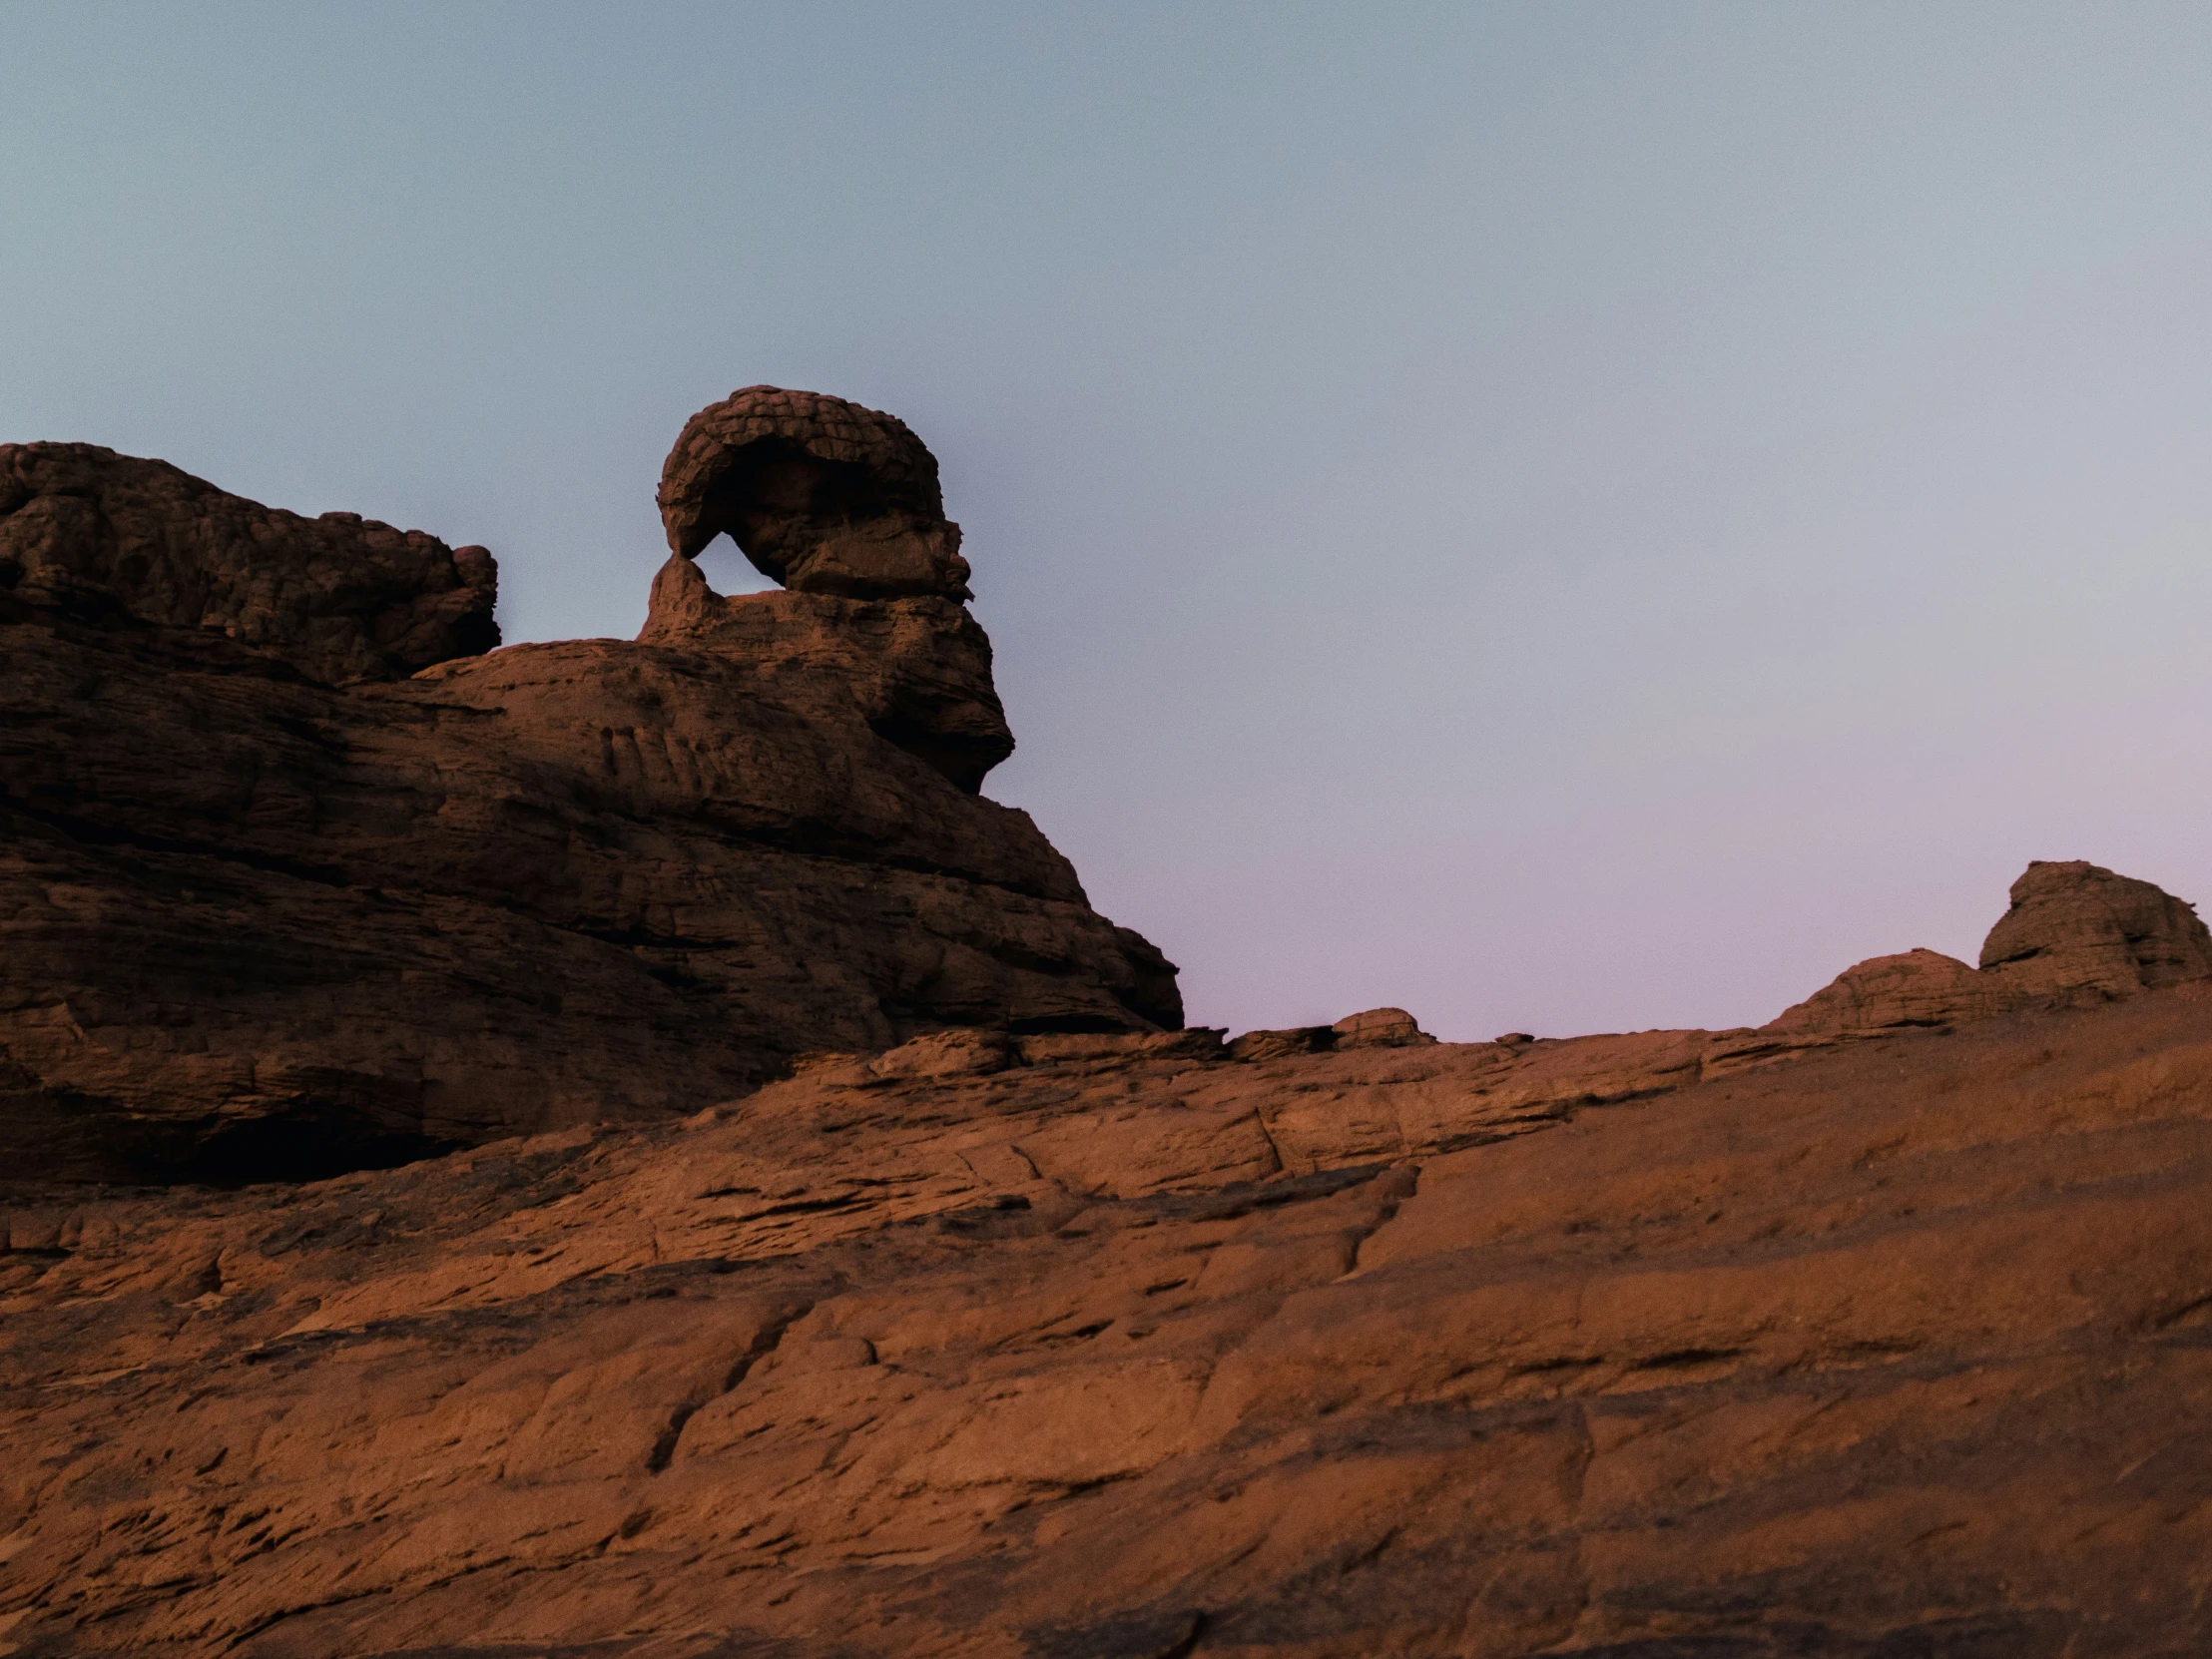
(2077, 929)
(1276, 1045)
(1379, 1028)
(822, 495)
(2074, 932)
(1564, 1349)
(955, 1053)
(96, 534)
(260, 924)
(1920, 988)
(916, 672)
(1201, 1043)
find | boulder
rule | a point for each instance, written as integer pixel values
(1281, 1044)
(2076, 932)
(1915, 990)
(822, 495)
(1379, 1028)
(2078, 929)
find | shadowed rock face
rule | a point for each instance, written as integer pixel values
(916, 672)
(1659, 1345)
(294, 879)
(2076, 929)
(96, 535)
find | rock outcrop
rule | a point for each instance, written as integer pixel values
(101, 536)
(294, 879)
(822, 495)
(2075, 929)
(2076, 932)
(1078, 1346)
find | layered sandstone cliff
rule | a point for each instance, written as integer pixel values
(295, 877)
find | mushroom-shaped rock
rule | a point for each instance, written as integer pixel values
(822, 495)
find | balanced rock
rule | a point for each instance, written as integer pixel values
(822, 495)
(294, 879)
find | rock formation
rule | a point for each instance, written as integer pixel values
(2076, 932)
(971, 1306)
(821, 495)
(90, 534)
(295, 879)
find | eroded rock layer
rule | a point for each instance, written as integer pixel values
(1666, 1345)
(294, 878)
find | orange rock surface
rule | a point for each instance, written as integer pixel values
(1082, 1345)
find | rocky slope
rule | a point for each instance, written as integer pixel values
(1859, 1338)
(848, 1255)
(294, 877)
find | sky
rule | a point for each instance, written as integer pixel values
(1560, 517)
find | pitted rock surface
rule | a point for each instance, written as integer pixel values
(96, 534)
(822, 495)
(916, 672)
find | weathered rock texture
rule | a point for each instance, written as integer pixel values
(2076, 929)
(2075, 933)
(98, 535)
(916, 672)
(294, 879)
(1073, 1346)
(822, 495)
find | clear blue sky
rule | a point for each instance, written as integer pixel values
(1561, 516)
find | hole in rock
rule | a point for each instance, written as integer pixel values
(773, 499)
